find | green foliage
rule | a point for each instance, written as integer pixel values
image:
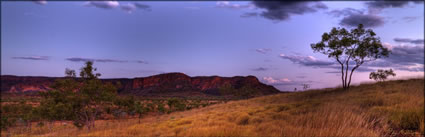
(357, 46)
(81, 100)
(381, 75)
(161, 108)
(126, 104)
(176, 104)
(22, 112)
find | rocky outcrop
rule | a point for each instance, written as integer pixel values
(168, 84)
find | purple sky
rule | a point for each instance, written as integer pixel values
(268, 40)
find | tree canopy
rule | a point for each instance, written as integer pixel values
(354, 47)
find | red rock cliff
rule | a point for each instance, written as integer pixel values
(162, 84)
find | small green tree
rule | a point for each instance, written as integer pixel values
(381, 75)
(140, 109)
(176, 104)
(126, 104)
(81, 100)
(356, 47)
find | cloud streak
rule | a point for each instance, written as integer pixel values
(32, 58)
(284, 82)
(40, 2)
(79, 59)
(226, 4)
(273, 81)
(407, 40)
(143, 6)
(129, 8)
(306, 60)
(103, 4)
(260, 69)
(310, 61)
(263, 50)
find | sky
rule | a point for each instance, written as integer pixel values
(269, 40)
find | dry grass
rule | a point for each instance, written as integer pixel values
(392, 108)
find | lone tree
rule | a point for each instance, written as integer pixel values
(381, 75)
(305, 86)
(354, 47)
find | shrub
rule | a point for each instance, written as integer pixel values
(161, 108)
(176, 104)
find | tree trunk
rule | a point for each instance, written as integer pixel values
(342, 74)
(346, 73)
(351, 74)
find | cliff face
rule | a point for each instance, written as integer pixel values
(169, 84)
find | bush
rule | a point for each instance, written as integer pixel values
(161, 108)
(176, 104)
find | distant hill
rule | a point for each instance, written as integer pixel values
(164, 85)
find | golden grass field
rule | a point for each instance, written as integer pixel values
(392, 108)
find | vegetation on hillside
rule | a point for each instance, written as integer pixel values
(392, 108)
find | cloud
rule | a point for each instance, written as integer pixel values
(354, 17)
(32, 58)
(410, 18)
(272, 81)
(142, 62)
(368, 20)
(310, 61)
(284, 81)
(408, 58)
(307, 60)
(143, 6)
(78, 59)
(344, 12)
(129, 8)
(377, 6)
(226, 4)
(407, 40)
(260, 69)
(263, 50)
(41, 2)
(249, 14)
(386, 4)
(403, 57)
(103, 4)
(282, 10)
(407, 55)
